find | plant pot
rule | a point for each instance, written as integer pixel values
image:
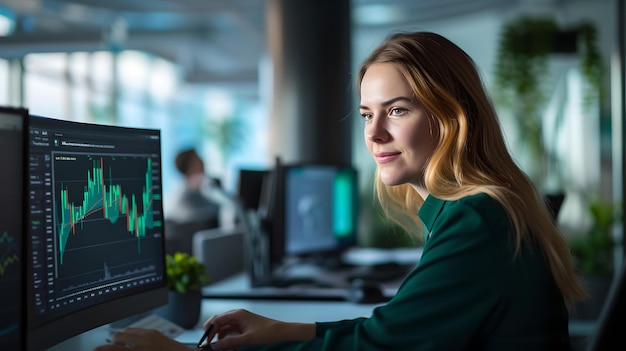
(182, 308)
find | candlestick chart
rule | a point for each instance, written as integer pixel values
(104, 207)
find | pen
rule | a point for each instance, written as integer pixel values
(205, 335)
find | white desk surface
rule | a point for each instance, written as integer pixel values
(292, 310)
(301, 311)
(306, 310)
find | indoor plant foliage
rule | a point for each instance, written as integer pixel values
(522, 74)
(522, 58)
(594, 256)
(593, 253)
(185, 272)
(185, 277)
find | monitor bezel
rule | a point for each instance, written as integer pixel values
(23, 113)
(245, 190)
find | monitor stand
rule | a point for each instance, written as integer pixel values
(125, 322)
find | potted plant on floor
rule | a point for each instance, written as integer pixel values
(185, 278)
(594, 256)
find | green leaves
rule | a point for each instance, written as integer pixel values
(184, 272)
(522, 60)
(524, 82)
(593, 253)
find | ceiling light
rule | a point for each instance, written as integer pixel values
(376, 15)
(6, 25)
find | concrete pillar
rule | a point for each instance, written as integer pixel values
(312, 88)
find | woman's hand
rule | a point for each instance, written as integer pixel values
(137, 339)
(242, 328)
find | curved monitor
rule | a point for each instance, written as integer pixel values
(95, 227)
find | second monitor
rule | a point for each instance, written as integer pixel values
(319, 209)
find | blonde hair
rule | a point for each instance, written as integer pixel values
(471, 156)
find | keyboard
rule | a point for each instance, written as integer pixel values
(154, 321)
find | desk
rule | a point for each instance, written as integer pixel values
(301, 311)
(291, 310)
(295, 311)
(238, 287)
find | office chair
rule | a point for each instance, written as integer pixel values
(179, 235)
(609, 332)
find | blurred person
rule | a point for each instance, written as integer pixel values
(195, 203)
(201, 204)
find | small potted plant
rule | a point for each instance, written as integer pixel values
(185, 273)
(185, 278)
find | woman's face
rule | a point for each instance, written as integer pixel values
(398, 131)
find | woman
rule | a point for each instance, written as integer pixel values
(495, 273)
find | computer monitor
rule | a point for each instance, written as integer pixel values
(319, 210)
(12, 128)
(94, 234)
(249, 187)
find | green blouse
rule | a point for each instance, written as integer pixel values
(468, 292)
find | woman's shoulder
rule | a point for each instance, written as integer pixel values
(479, 205)
(480, 202)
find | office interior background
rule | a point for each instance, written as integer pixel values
(203, 72)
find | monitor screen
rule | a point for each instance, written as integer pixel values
(95, 227)
(320, 209)
(12, 127)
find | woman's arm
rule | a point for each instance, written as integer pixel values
(243, 328)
